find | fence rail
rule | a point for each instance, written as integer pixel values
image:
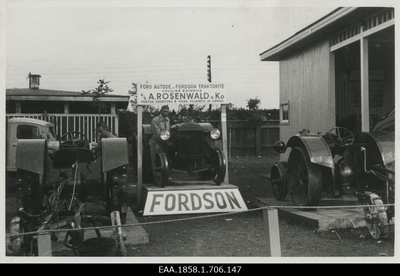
(246, 137)
(85, 123)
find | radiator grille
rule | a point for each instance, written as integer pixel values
(190, 143)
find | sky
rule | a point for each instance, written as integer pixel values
(74, 44)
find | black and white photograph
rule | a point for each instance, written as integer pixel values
(199, 135)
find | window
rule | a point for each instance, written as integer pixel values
(28, 132)
(285, 113)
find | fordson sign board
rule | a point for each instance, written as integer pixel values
(192, 93)
(183, 201)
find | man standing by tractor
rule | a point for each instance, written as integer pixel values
(103, 131)
(158, 124)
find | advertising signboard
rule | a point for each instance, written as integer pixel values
(191, 93)
(168, 202)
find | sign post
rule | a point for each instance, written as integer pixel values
(225, 138)
(272, 234)
(139, 155)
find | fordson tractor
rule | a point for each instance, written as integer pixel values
(339, 163)
(51, 176)
(190, 148)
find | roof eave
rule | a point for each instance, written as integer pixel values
(306, 35)
(64, 98)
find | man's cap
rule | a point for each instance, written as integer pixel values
(165, 107)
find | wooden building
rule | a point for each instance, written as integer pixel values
(338, 71)
(67, 110)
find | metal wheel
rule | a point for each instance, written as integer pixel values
(161, 172)
(390, 192)
(279, 181)
(220, 162)
(24, 245)
(376, 217)
(16, 242)
(304, 178)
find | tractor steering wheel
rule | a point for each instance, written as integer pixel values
(74, 139)
(341, 136)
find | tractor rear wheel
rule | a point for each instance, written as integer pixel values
(304, 178)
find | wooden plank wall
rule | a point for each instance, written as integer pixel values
(252, 138)
(305, 84)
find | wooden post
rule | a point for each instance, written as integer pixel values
(116, 221)
(113, 110)
(331, 92)
(258, 138)
(230, 143)
(272, 235)
(18, 107)
(139, 156)
(364, 85)
(44, 244)
(66, 108)
(225, 139)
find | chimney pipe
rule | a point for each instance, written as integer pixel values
(34, 81)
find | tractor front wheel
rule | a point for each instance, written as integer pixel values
(279, 181)
(161, 172)
(220, 163)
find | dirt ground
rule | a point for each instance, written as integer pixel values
(242, 234)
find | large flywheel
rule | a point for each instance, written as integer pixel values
(304, 178)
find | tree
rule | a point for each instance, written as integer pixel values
(99, 92)
(253, 104)
(133, 100)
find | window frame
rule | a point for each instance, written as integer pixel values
(281, 114)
